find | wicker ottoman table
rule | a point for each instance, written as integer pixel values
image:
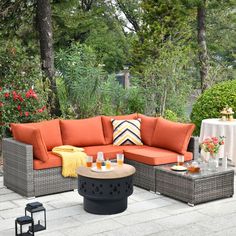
(194, 188)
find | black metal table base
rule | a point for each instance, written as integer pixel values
(105, 207)
(105, 196)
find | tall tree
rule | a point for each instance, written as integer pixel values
(162, 21)
(44, 24)
(96, 26)
(202, 44)
(132, 12)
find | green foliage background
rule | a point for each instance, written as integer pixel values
(87, 90)
(157, 39)
(20, 72)
(212, 101)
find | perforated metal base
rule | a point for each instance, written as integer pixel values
(105, 196)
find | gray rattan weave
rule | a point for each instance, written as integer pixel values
(193, 146)
(21, 178)
(195, 188)
(49, 181)
(145, 174)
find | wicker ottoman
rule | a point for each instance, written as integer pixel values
(194, 188)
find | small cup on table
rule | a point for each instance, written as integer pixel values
(99, 160)
(180, 160)
(108, 164)
(89, 161)
(120, 159)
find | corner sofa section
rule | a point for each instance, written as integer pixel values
(30, 168)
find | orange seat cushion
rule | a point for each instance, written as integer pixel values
(172, 135)
(154, 156)
(108, 127)
(32, 136)
(52, 162)
(109, 151)
(81, 133)
(148, 125)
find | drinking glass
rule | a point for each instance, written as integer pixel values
(100, 160)
(108, 164)
(120, 159)
(100, 156)
(180, 160)
(89, 161)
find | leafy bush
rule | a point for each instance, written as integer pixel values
(135, 100)
(212, 101)
(170, 115)
(86, 90)
(112, 97)
(22, 98)
(166, 81)
(82, 78)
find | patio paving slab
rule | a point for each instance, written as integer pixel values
(147, 214)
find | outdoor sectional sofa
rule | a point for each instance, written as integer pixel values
(31, 169)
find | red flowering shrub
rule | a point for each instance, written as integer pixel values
(22, 97)
(20, 106)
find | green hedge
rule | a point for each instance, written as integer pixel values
(212, 101)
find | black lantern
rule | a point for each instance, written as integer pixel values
(38, 214)
(24, 226)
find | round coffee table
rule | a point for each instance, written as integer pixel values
(106, 193)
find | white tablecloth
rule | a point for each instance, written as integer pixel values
(216, 127)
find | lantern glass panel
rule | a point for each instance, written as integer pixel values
(25, 228)
(39, 217)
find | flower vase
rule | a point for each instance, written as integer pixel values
(213, 162)
(205, 156)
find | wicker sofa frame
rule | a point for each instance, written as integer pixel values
(145, 174)
(20, 176)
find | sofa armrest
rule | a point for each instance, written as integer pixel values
(18, 167)
(193, 147)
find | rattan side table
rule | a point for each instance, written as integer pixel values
(194, 188)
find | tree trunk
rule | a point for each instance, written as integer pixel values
(44, 24)
(203, 57)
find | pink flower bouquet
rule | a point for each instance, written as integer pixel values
(212, 144)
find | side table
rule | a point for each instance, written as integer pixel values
(195, 188)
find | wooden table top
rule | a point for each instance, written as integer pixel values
(118, 172)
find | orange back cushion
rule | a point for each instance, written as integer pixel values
(32, 136)
(148, 125)
(84, 132)
(172, 135)
(50, 131)
(108, 127)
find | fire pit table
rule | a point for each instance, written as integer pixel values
(106, 192)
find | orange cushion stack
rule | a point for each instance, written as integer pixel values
(148, 125)
(172, 135)
(31, 135)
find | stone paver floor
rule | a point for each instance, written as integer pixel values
(147, 214)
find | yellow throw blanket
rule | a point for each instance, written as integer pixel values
(72, 158)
